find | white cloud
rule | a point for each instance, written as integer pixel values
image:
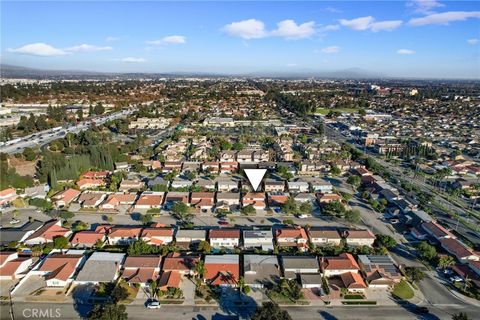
(112, 39)
(369, 23)
(444, 18)
(289, 29)
(332, 10)
(424, 6)
(38, 49)
(387, 25)
(473, 41)
(362, 23)
(132, 59)
(87, 48)
(175, 39)
(291, 65)
(331, 49)
(246, 29)
(405, 51)
(329, 27)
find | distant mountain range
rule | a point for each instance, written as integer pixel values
(10, 71)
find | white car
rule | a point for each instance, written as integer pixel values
(302, 216)
(14, 221)
(153, 304)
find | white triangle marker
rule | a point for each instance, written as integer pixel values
(255, 177)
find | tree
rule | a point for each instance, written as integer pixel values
(353, 216)
(80, 114)
(271, 311)
(199, 269)
(119, 293)
(153, 288)
(334, 208)
(66, 215)
(108, 312)
(446, 261)
(414, 274)
(182, 212)
(146, 218)
(248, 210)
(204, 247)
(335, 171)
(60, 242)
(29, 154)
(354, 181)
(99, 108)
(426, 251)
(290, 206)
(460, 316)
(306, 208)
(385, 241)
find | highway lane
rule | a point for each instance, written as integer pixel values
(42, 138)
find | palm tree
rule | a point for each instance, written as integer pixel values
(445, 262)
(199, 269)
(153, 288)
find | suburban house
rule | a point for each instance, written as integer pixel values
(181, 184)
(189, 238)
(258, 239)
(170, 166)
(12, 266)
(245, 156)
(359, 237)
(127, 185)
(101, 267)
(224, 238)
(122, 166)
(328, 197)
(123, 235)
(158, 183)
(150, 200)
(210, 166)
(436, 230)
(65, 197)
(206, 184)
(293, 265)
(311, 281)
(254, 199)
(169, 279)
(226, 184)
(157, 235)
(90, 183)
(228, 200)
(141, 269)
(260, 270)
(202, 201)
(91, 200)
(379, 271)
(333, 266)
(353, 282)
(228, 166)
(46, 233)
(17, 235)
(175, 196)
(304, 197)
(320, 185)
(87, 238)
(115, 200)
(292, 237)
(36, 192)
(95, 175)
(59, 268)
(181, 263)
(271, 185)
(8, 195)
(222, 270)
(276, 199)
(229, 155)
(298, 186)
(322, 236)
(458, 250)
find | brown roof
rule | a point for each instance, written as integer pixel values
(344, 261)
(224, 233)
(142, 262)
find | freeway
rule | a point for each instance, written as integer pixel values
(42, 138)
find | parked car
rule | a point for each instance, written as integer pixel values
(223, 222)
(153, 304)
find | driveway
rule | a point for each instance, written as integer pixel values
(188, 288)
(29, 285)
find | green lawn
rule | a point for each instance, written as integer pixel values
(403, 290)
(325, 111)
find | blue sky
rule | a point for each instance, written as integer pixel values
(420, 38)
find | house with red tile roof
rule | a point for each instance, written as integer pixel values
(222, 270)
(333, 266)
(228, 166)
(12, 266)
(115, 200)
(59, 268)
(328, 197)
(292, 237)
(181, 263)
(202, 201)
(459, 250)
(123, 236)
(353, 282)
(277, 199)
(141, 269)
(169, 279)
(8, 195)
(87, 238)
(224, 238)
(435, 230)
(254, 199)
(150, 200)
(176, 196)
(157, 235)
(95, 175)
(65, 197)
(50, 230)
(210, 166)
(90, 183)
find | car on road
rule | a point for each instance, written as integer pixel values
(421, 310)
(153, 304)
(223, 222)
(302, 216)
